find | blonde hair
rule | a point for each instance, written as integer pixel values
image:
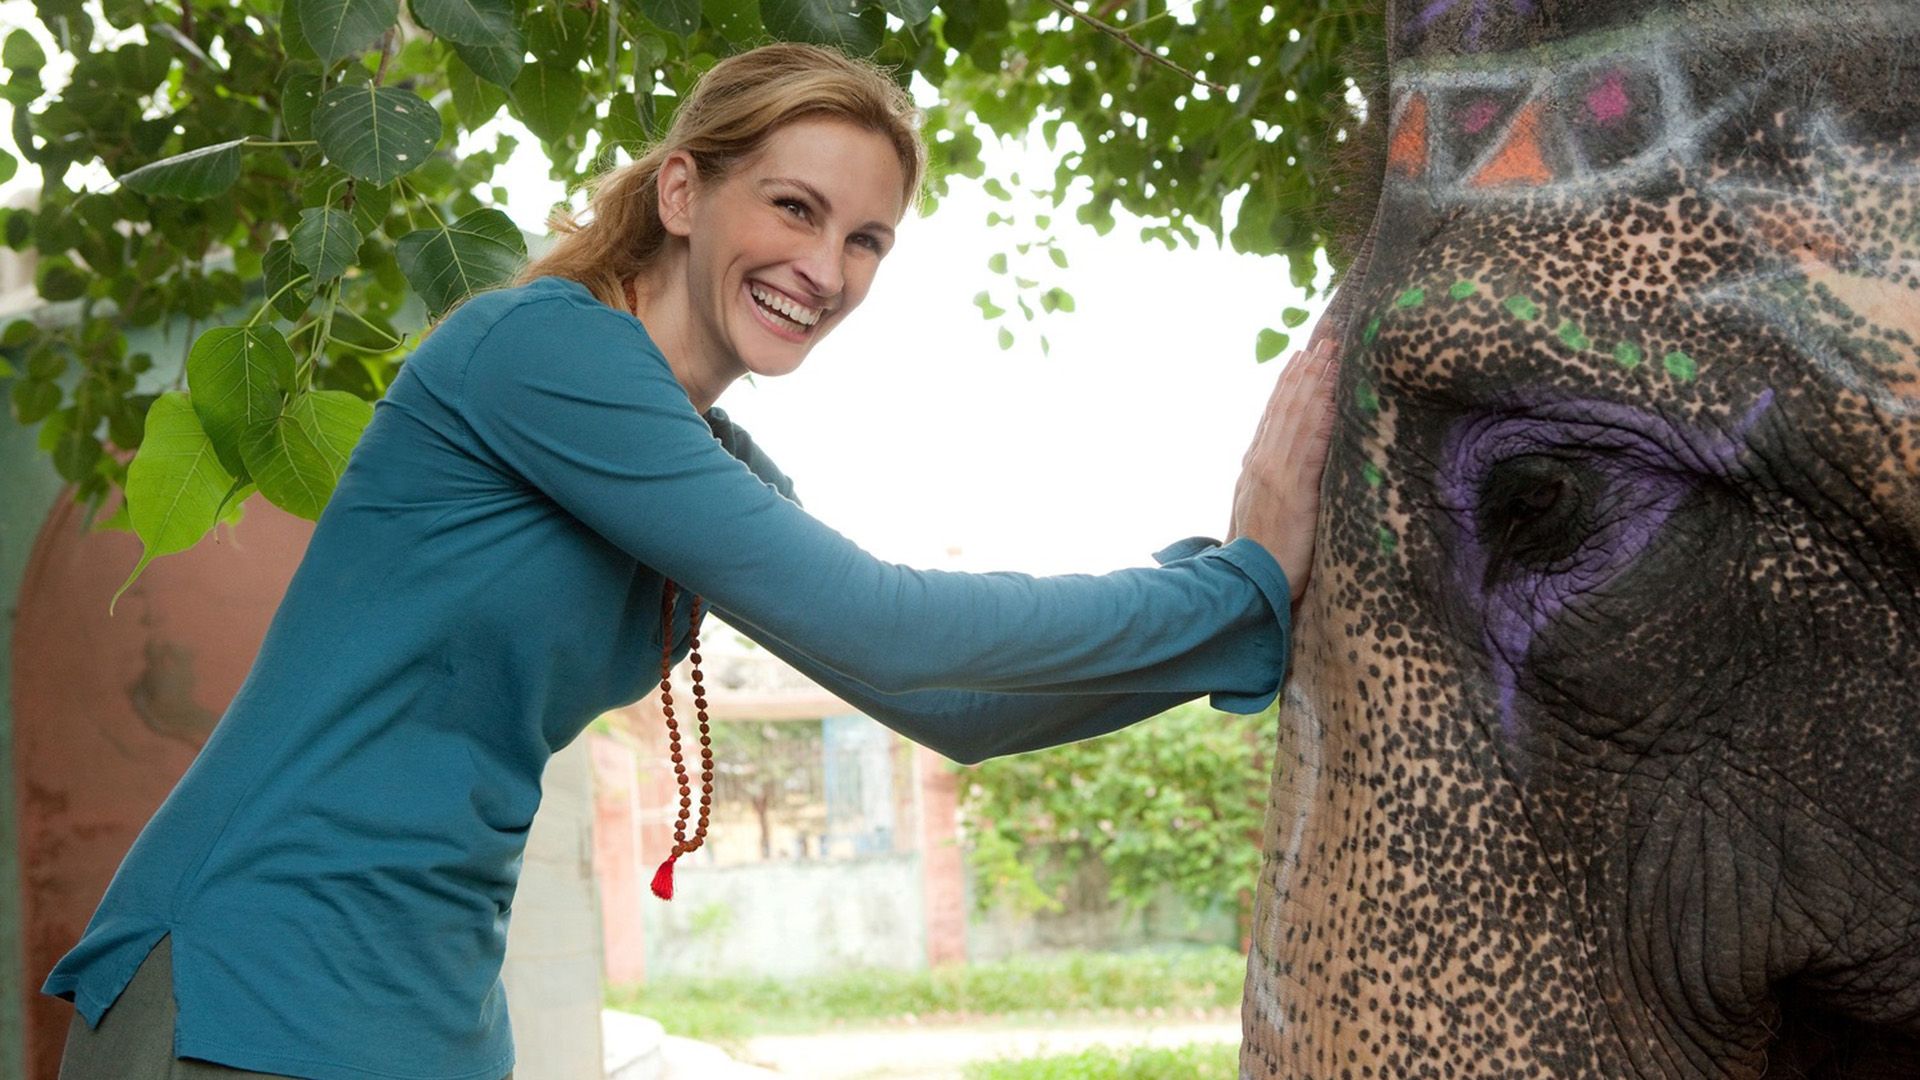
(727, 117)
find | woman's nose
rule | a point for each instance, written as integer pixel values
(823, 268)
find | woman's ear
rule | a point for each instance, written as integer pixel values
(676, 182)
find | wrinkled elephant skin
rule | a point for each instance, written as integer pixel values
(1601, 754)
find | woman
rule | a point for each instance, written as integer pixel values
(327, 890)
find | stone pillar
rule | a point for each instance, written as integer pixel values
(942, 867)
(552, 971)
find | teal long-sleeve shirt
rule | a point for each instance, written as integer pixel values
(337, 866)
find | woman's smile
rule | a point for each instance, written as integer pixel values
(782, 315)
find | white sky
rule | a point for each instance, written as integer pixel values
(913, 433)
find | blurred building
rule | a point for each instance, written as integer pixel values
(832, 845)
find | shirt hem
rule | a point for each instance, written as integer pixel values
(234, 1058)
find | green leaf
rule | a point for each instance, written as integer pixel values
(475, 100)
(1059, 257)
(547, 99)
(498, 62)
(196, 174)
(995, 188)
(446, 264)
(8, 166)
(1006, 339)
(559, 32)
(465, 22)
(238, 376)
(376, 133)
(118, 521)
(997, 262)
(911, 12)
(74, 451)
(1292, 317)
(988, 309)
(299, 93)
(34, 399)
(1269, 344)
(1057, 299)
(293, 36)
(173, 484)
(298, 456)
(58, 279)
(22, 53)
(839, 23)
(337, 29)
(20, 333)
(737, 21)
(680, 17)
(324, 243)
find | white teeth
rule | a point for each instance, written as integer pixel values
(805, 316)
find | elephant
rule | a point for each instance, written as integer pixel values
(1600, 754)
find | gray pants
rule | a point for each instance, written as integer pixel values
(135, 1038)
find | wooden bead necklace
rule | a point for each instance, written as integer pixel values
(663, 877)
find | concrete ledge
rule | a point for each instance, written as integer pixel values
(632, 1046)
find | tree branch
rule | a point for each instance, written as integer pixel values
(386, 55)
(1119, 35)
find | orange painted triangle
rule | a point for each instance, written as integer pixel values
(1407, 151)
(1519, 160)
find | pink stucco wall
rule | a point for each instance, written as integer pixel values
(110, 711)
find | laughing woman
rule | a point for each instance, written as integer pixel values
(527, 534)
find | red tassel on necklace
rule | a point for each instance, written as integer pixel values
(663, 877)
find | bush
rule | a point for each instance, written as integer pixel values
(1172, 803)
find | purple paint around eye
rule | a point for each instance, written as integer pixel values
(1648, 465)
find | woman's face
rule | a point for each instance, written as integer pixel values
(785, 247)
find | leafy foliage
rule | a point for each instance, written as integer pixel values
(300, 155)
(1163, 805)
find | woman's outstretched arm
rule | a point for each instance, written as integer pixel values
(572, 397)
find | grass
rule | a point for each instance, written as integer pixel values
(1200, 1061)
(728, 1011)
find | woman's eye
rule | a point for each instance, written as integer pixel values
(1537, 510)
(868, 242)
(792, 206)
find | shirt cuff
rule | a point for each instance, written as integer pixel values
(1184, 549)
(1259, 567)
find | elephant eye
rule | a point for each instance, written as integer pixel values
(1537, 510)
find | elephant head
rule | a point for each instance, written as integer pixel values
(1601, 752)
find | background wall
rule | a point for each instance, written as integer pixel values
(28, 486)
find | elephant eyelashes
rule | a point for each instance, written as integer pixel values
(1537, 511)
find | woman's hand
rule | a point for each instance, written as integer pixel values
(1276, 502)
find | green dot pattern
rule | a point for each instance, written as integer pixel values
(1628, 354)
